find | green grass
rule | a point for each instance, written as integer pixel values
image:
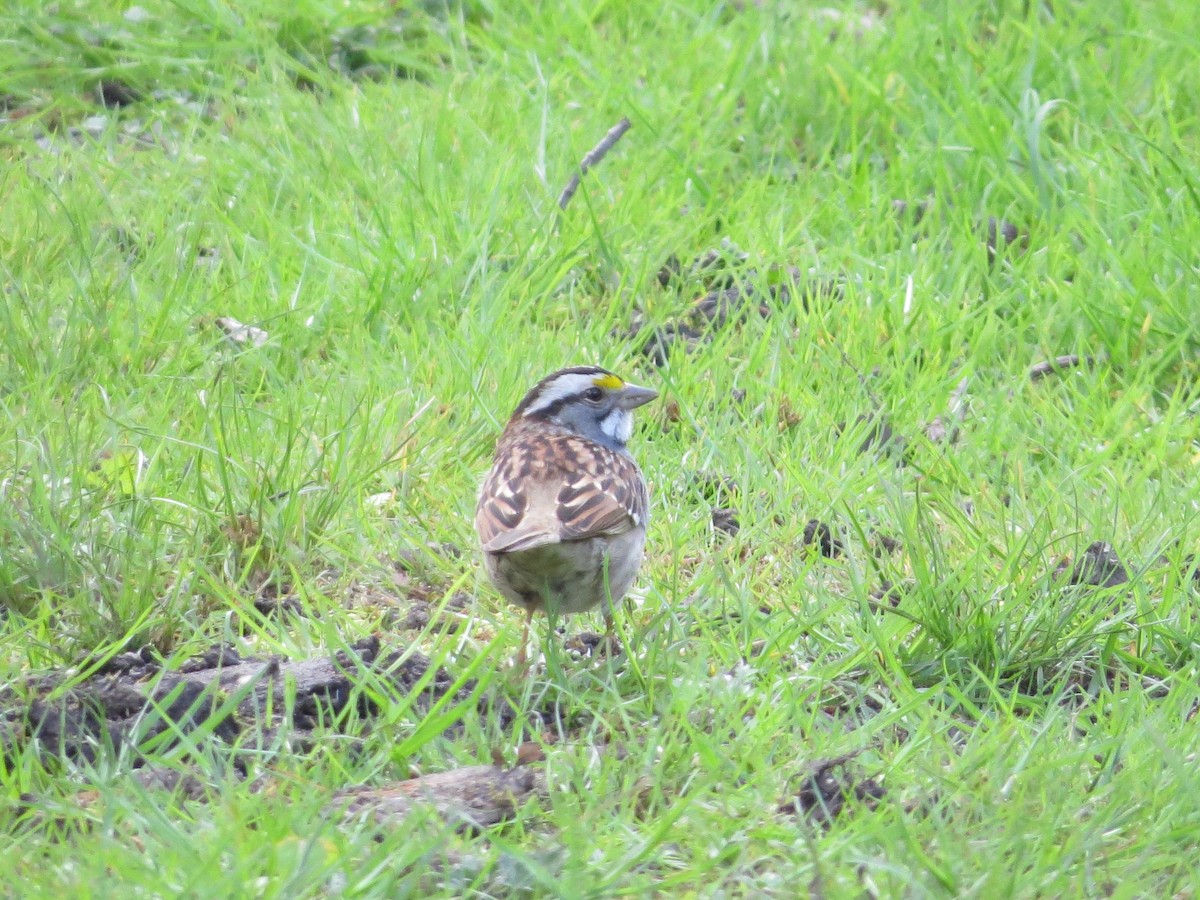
(374, 185)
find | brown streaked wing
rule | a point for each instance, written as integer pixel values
(606, 499)
(502, 502)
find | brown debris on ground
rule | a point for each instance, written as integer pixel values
(911, 212)
(713, 486)
(417, 574)
(889, 595)
(133, 702)
(725, 520)
(827, 787)
(998, 235)
(821, 538)
(471, 798)
(446, 617)
(878, 436)
(732, 291)
(274, 599)
(112, 93)
(1099, 566)
(885, 543)
(420, 586)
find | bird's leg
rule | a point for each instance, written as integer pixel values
(612, 641)
(612, 644)
(523, 654)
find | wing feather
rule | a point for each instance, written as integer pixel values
(554, 488)
(501, 508)
(608, 501)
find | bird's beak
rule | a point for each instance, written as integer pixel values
(633, 396)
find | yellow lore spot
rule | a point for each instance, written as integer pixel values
(609, 382)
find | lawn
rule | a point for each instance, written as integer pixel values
(918, 284)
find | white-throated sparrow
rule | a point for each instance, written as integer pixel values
(562, 514)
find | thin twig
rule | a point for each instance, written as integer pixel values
(1058, 365)
(862, 379)
(594, 156)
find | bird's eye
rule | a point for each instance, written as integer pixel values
(593, 395)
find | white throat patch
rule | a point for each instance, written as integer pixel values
(618, 425)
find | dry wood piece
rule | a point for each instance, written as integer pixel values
(472, 797)
(219, 696)
(593, 158)
(1058, 365)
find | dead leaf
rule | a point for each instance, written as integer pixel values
(241, 335)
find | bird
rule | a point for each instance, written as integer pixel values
(562, 513)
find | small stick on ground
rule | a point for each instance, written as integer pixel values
(593, 158)
(862, 379)
(1058, 365)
